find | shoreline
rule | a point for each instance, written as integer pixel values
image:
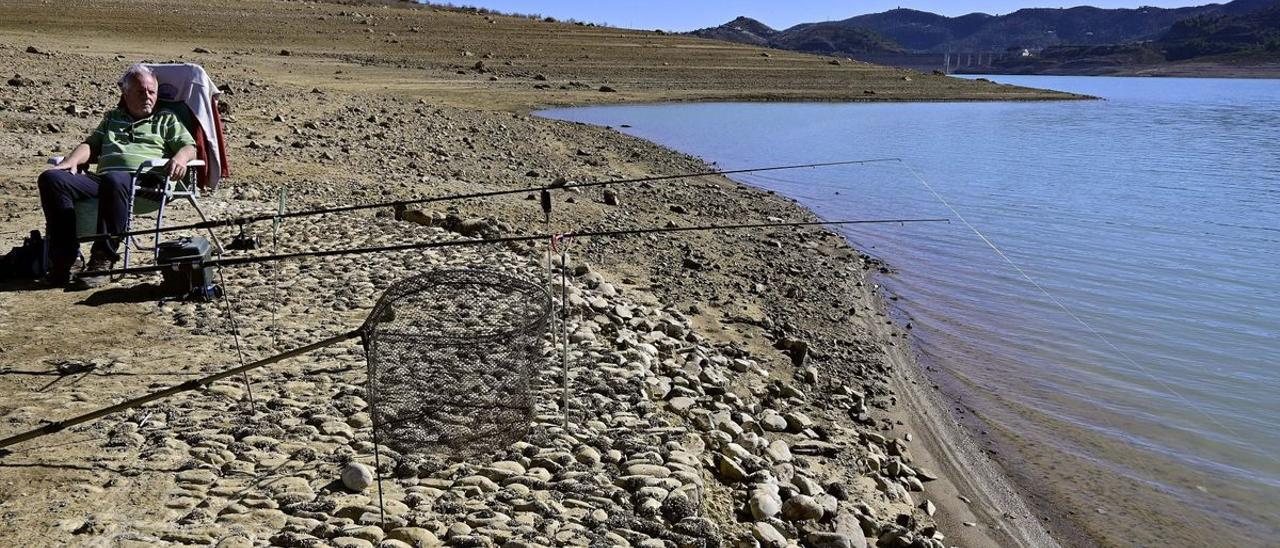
(1002, 504)
(1210, 71)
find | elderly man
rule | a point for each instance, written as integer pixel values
(130, 134)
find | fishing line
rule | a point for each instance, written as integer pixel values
(235, 332)
(1125, 356)
(487, 194)
(777, 179)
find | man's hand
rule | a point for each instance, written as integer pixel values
(72, 162)
(176, 168)
(66, 166)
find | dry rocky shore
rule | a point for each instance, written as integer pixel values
(730, 388)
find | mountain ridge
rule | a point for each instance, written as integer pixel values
(914, 31)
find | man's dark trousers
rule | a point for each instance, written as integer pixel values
(59, 189)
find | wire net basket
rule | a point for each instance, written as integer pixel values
(450, 357)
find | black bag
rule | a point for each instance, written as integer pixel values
(26, 262)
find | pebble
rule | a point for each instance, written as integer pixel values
(414, 536)
(235, 541)
(779, 451)
(197, 477)
(731, 471)
(681, 404)
(587, 455)
(828, 540)
(503, 470)
(767, 535)
(357, 477)
(293, 486)
(801, 508)
(370, 533)
(773, 421)
(764, 505)
(797, 421)
(458, 530)
(484, 484)
(650, 470)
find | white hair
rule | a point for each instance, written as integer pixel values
(134, 72)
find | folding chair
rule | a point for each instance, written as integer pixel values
(186, 90)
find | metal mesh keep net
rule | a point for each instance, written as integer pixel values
(450, 357)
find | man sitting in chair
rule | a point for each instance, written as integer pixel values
(129, 135)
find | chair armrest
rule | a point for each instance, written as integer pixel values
(151, 164)
(159, 162)
(187, 186)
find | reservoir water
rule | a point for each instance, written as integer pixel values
(1152, 215)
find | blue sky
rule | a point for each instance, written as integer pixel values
(683, 15)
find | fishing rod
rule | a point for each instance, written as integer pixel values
(235, 261)
(240, 221)
(193, 384)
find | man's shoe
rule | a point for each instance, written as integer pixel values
(56, 279)
(59, 274)
(93, 282)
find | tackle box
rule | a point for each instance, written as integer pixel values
(186, 274)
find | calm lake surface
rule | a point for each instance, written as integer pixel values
(1153, 216)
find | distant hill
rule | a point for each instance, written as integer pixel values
(1228, 38)
(1255, 32)
(1109, 36)
(923, 32)
(834, 39)
(743, 30)
(819, 38)
(1036, 29)
(920, 31)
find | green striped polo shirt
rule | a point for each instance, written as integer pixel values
(122, 143)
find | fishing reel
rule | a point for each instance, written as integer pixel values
(244, 241)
